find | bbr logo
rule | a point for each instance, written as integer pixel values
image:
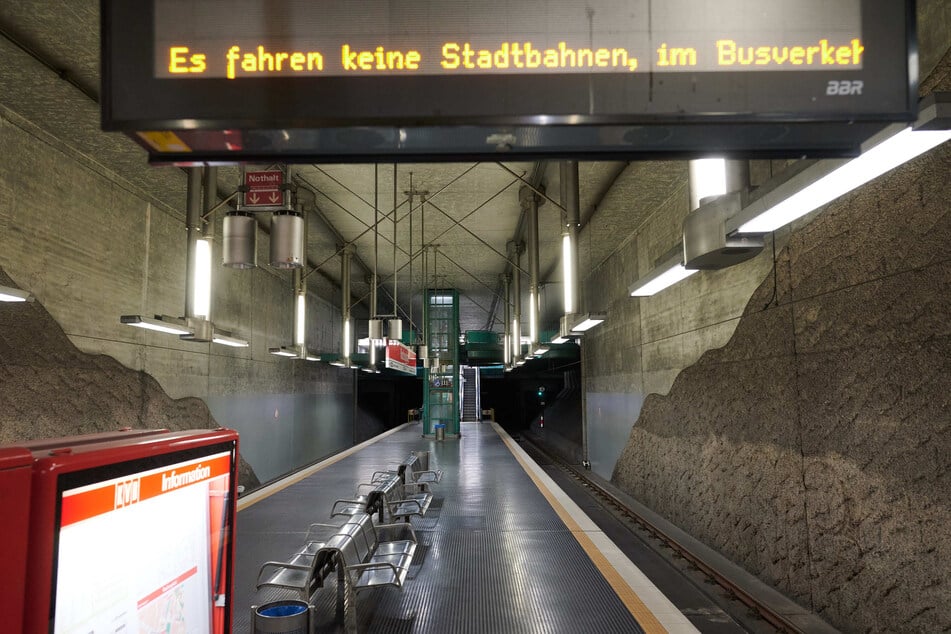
(844, 88)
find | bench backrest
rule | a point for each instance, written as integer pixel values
(355, 541)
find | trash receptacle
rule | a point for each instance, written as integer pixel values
(440, 429)
(281, 617)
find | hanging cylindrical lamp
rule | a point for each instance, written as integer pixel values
(375, 330)
(394, 329)
(287, 239)
(239, 244)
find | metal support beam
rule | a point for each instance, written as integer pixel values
(572, 226)
(507, 324)
(346, 344)
(530, 201)
(516, 250)
(193, 229)
(211, 202)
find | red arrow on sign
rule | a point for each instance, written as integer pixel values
(253, 198)
(274, 197)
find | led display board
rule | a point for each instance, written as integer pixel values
(390, 76)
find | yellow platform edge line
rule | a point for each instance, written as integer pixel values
(625, 592)
(276, 487)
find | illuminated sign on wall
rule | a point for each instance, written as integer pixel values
(400, 358)
(143, 552)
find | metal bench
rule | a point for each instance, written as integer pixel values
(389, 498)
(369, 498)
(408, 500)
(363, 559)
(417, 465)
(302, 572)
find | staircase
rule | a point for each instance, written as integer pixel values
(471, 408)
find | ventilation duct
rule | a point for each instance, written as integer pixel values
(239, 247)
(706, 245)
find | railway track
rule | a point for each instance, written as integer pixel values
(620, 509)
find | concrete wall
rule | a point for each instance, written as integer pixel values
(814, 448)
(91, 246)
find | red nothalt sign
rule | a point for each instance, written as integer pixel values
(264, 188)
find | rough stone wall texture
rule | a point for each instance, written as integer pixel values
(814, 449)
(49, 388)
(92, 245)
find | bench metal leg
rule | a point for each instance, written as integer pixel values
(349, 606)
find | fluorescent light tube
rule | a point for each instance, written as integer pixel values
(157, 325)
(569, 273)
(532, 317)
(586, 322)
(201, 300)
(283, 352)
(8, 294)
(560, 340)
(346, 339)
(707, 178)
(227, 340)
(300, 314)
(541, 350)
(871, 164)
(656, 283)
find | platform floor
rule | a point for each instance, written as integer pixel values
(502, 549)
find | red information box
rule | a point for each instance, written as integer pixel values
(128, 532)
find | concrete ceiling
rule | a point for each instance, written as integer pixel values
(49, 72)
(473, 213)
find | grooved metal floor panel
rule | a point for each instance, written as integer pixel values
(493, 555)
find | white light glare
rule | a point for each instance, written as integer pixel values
(299, 322)
(532, 317)
(154, 324)
(225, 340)
(885, 156)
(668, 278)
(707, 178)
(586, 324)
(560, 340)
(282, 352)
(569, 274)
(8, 294)
(516, 339)
(346, 339)
(201, 300)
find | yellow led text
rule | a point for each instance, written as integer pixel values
(821, 54)
(674, 56)
(179, 61)
(378, 59)
(263, 61)
(524, 55)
